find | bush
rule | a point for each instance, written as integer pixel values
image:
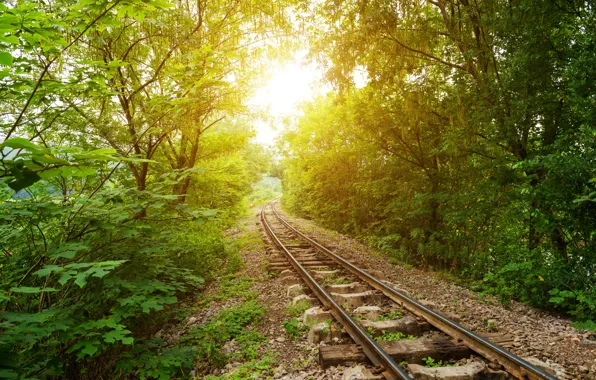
(90, 279)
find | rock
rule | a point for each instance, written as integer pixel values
(354, 300)
(378, 274)
(229, 347)
(295, 290)
(303, 297)
(316, 315)
(286, 273)
(552, 368)
(370, 312)
(466, 372)
(358, 372)
(280, 339)
(454, 317)
(319, 273)
(407, 325)
(191, 321)
(322, 332)
(429, 304)
(589, 341)
(354, 287)
(291, 280)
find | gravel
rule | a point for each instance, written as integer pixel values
(535, 333)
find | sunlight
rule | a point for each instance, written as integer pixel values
(289, 85)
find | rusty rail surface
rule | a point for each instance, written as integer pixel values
(514, 364)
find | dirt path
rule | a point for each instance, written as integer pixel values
(293, 358)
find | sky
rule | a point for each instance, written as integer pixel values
(288, 86)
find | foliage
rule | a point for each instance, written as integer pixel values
(267, 189)
(292, 327)
(255, 369)
(298, 308)
(431, 363)
(153, 359)
(391, 336)
(393, 314)
(227, 325)
(126, 151)
(585, 325)
(231, 286)
(468, 147)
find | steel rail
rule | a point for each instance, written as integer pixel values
(515, 365)
(391, 370)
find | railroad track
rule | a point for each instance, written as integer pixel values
(367, 308)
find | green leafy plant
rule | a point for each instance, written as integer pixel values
(227, 325)
(292, 328)
(393, 314)
(391, 336)
(261, 368)
(585, 325)
(431, 363)
(297, 309)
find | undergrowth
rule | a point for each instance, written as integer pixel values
(229, 324)
(393, 314)
(298, 308)
(391, 336)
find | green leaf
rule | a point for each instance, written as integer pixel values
(114, 335)
(78, 171)
(51, 173)
(49, 159)
(20, 143)
(98, 272)
(8, 374)
(32, 290)
(10, 40)
(48, 269)
(24, 179)
(128, 340)
(5, 59)
(67, 251)
(160, 4)
(81, 279)
(86, 348)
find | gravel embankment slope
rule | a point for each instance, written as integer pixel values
(536, 333)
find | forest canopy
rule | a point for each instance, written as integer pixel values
(126, 150)
(457, 135)
(471, 148)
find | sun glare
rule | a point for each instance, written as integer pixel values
(289, 85)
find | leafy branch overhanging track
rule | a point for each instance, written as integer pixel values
(515, 365)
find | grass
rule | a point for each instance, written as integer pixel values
(431, 363)
(585, 325)
(250, 240)
(293, 328)
(254, 369)
(237, 323)
(231, 286)
(391, 336)
(231, 323)
(297, 309)
(393, 314)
